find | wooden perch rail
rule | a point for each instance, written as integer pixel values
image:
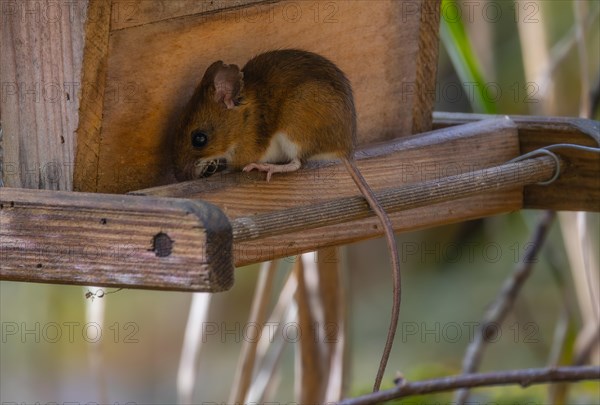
(510, 175)
(436, 155)
(113, 240)
(414, 159)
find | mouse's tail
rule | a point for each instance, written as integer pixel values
(391, 241)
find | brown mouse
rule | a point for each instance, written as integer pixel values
(283, 108)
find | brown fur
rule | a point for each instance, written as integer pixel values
(297, 92)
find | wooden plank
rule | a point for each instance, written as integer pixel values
(116, 241)
(94, 74)
(428, 156)
(578, 187)
(40, 62)
(426, 66)
(132, 13)
(1, 153)
(151, 83)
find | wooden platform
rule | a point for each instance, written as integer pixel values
(411, 160)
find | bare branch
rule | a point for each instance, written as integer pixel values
(525, 378)
(309, 362)
(191, 346)
(580, 11)
(258, 316)
(590, 342)
(505, 300)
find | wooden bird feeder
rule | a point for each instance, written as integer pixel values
(90, 97)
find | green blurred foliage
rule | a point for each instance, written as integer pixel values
(458, 45)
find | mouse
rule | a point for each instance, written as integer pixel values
(283, 108)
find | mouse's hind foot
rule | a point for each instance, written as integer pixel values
(271, 168)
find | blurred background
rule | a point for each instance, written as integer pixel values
(525, 58)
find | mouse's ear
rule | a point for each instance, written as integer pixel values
(229, 83)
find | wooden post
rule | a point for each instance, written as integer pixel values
(40, 59)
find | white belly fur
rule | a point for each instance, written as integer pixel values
(280, 150)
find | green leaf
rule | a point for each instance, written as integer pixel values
(464, 60)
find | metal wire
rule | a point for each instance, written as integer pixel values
(546, 151)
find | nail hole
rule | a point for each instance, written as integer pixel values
(162, 245)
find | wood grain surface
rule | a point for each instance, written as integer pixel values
(40, 60)
(117, 241)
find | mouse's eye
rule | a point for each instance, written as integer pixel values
(199, 139)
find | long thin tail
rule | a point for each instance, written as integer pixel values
(391, 241)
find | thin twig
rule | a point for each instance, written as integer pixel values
(585, 350)
(258, 316)
(590, 263)
(192, 343)
(585, 278)
(525, 378)
(579, 11)
(309, 356)
(505, 300)
(332, 288)
(271, 344)
(558, 392)
(560, 51)
(559, 341)
(95, 312)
